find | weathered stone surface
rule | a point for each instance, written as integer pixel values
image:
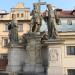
(33, 50)
(4, 74)
(54, 47)
(15, 58)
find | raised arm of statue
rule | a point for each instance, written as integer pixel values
(49, 6)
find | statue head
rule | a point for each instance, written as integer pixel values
(49, 6)
(36, 7)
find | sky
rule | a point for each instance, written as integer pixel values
(63, 4)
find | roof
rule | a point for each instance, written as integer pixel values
(63, 13)
(67, 13)
(60, 28)
(66, 28)
(4, 13)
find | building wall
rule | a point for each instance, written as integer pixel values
(68, 61)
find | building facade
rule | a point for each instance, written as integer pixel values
(66, 30)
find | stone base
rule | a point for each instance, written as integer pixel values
(54, 47)
(4, 74)
(13, 68)
(33, 68)
(33, 49)
(22, 73)
(55, 71)
(15, 58)
(30, 73)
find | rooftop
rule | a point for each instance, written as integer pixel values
(63, 13)
(66, 28)
(60, 28)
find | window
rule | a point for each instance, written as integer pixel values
(70, 50)
(21, 14)
(3, 56)
(1, 16)
(18, 15)
(21, 10)
(13, 16)
(69, 22)
(5, 42)
(6, 27)
(20, 27)
(71, 71)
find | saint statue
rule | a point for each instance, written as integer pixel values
(36, 18)
(13, 32)
(51, 22)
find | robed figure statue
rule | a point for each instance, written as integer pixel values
(13, 32)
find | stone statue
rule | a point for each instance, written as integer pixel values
(24, 40)
(44, 37)
(13, 32)
(51, 23)
(36, 19)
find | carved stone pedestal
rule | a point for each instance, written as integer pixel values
(35, 68)
(54, 47)
(15, 58)
(33, 61)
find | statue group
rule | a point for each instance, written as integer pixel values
(51, 20)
